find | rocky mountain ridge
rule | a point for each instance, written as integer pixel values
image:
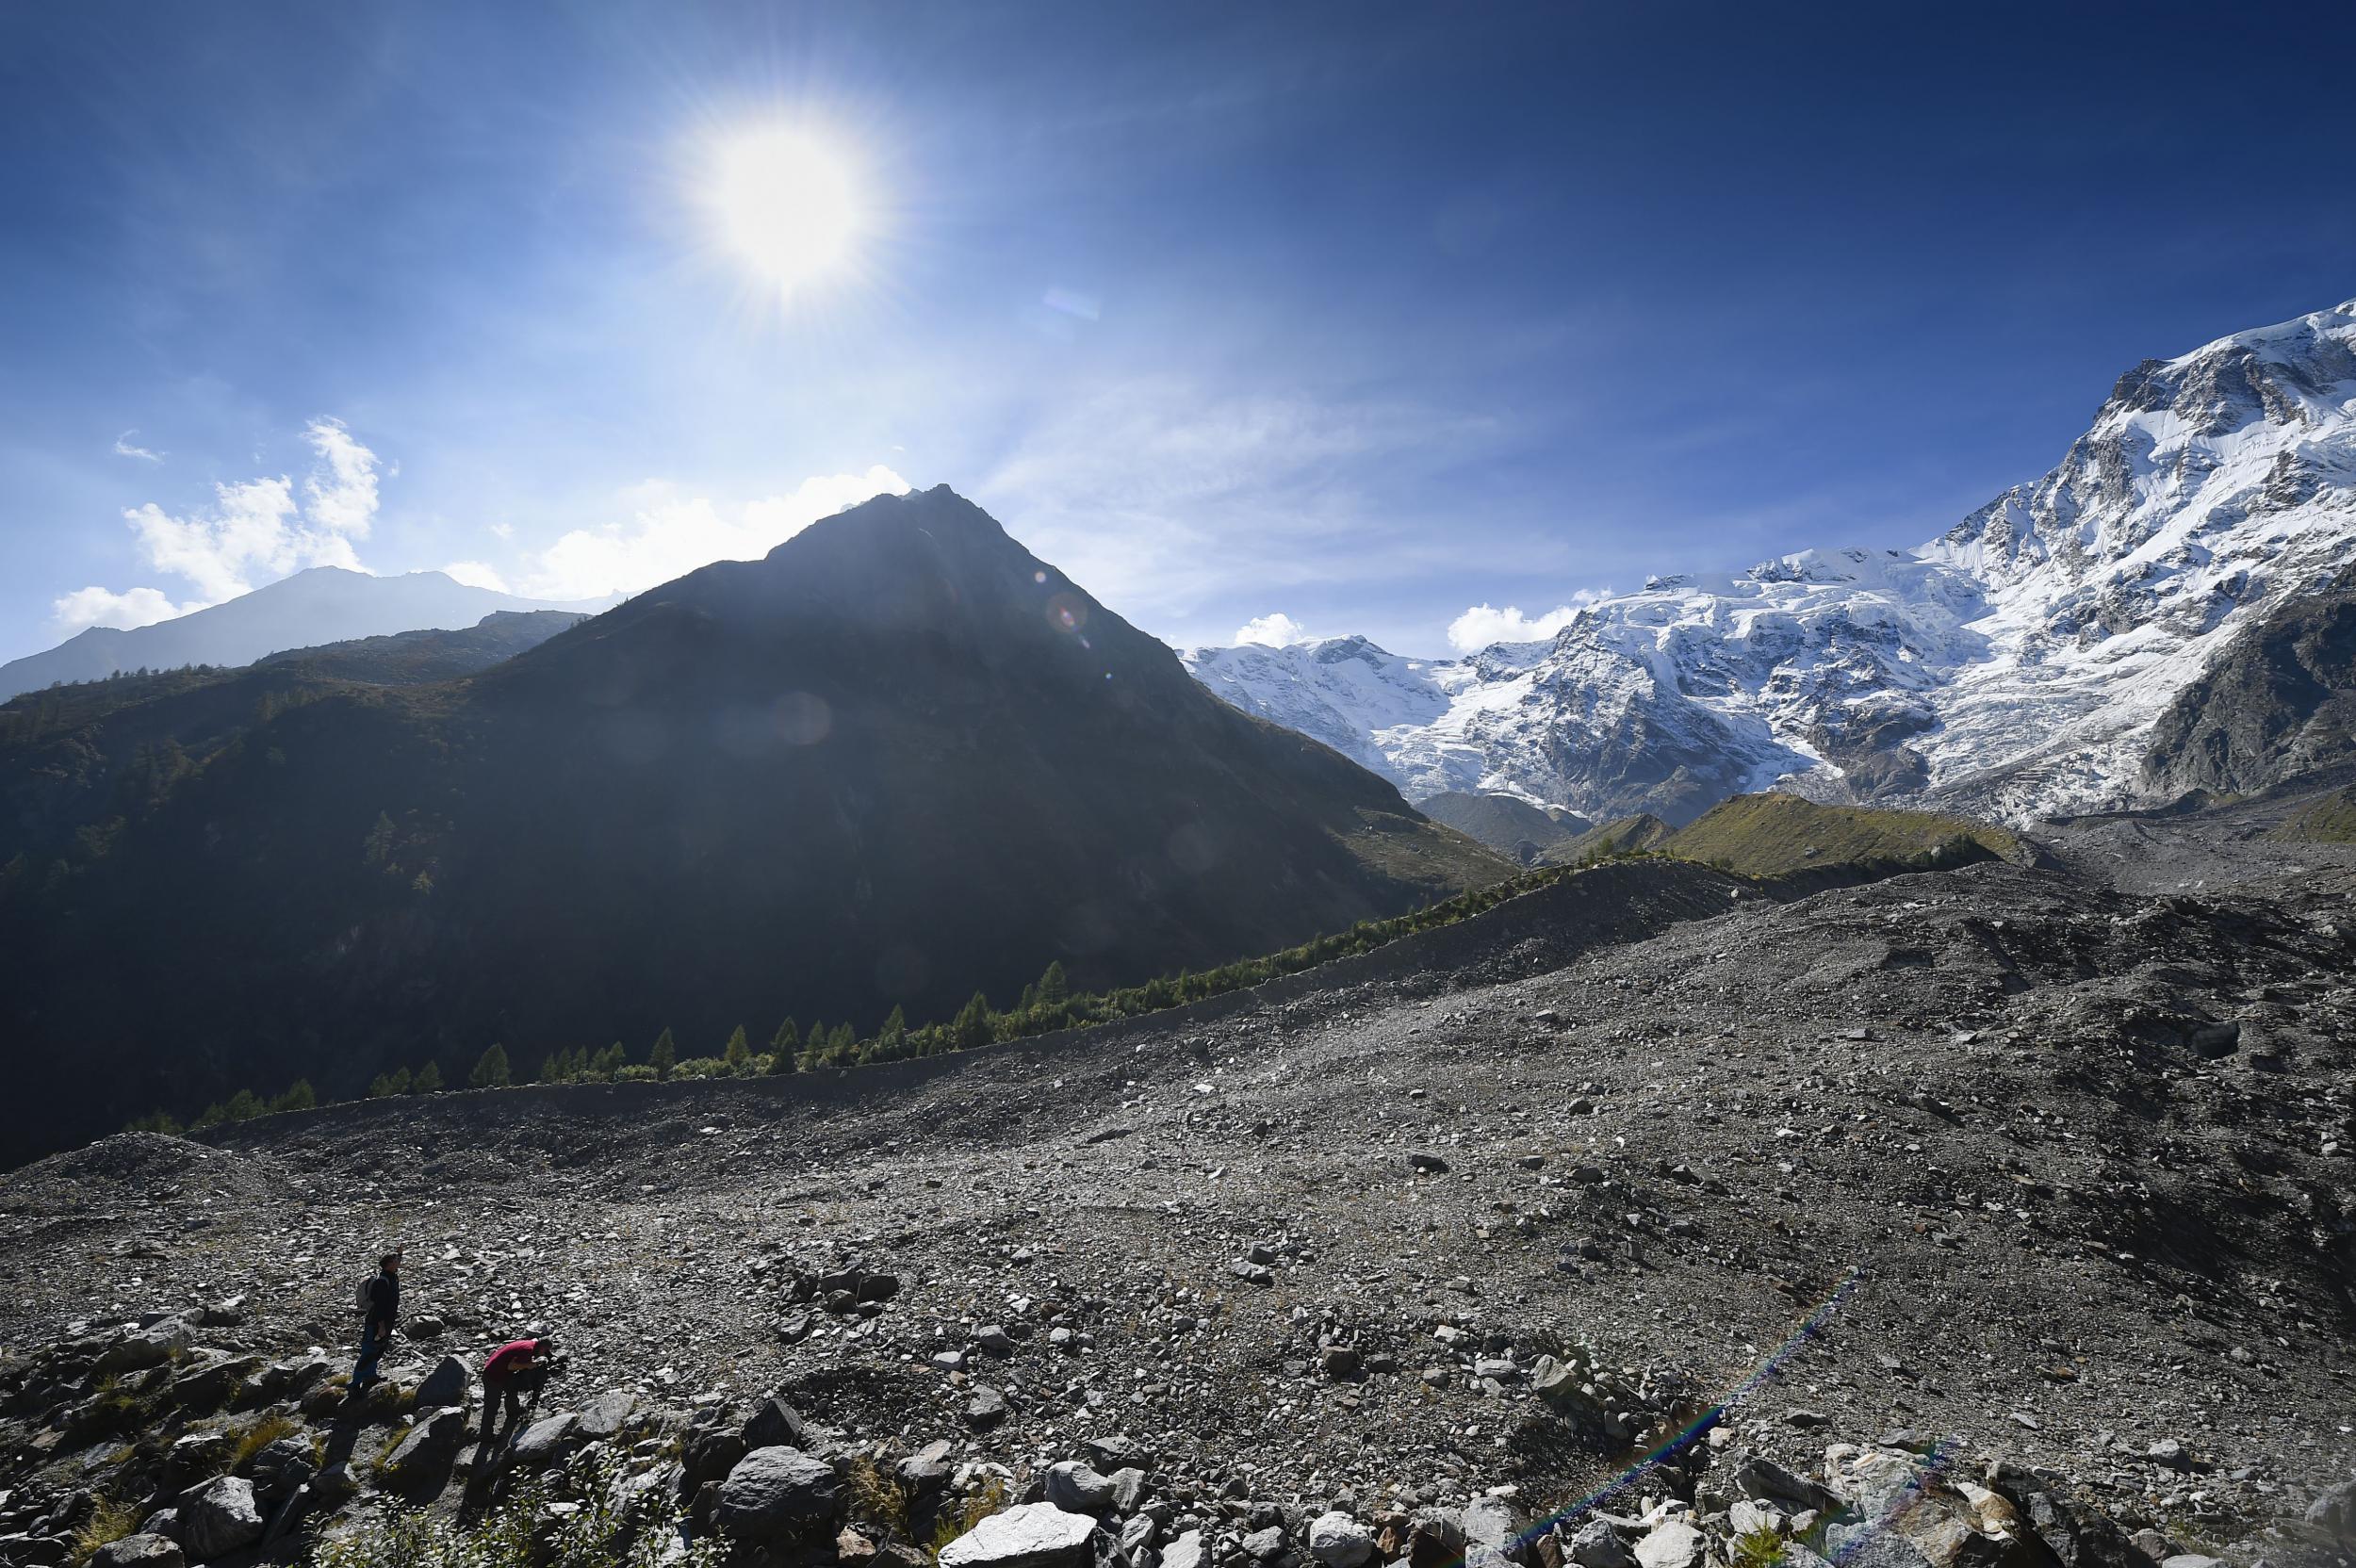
(2013, 666)
(322, 604)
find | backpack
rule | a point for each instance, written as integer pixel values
(367, 1302)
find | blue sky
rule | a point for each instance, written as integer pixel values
(1360, 315)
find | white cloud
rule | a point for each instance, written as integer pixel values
(1483, 626)
(476, 574)
(669, 535)
(1275, 631)
(253, 528)
(89, 607)
(125, 449)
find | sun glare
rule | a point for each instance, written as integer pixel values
(787, 203)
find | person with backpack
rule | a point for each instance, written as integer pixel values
(518, 1368)
(379, 1303)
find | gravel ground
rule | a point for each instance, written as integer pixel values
(2056, 1159)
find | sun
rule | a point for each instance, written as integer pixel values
(787, 203)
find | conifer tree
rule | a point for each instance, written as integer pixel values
(971, 1025)
(300, 1096)
(840, 1043)
(429, 1079)
(664, 1055)
(491, 1072)
(737, 1053)
(783, 1046)
(895, 1030)
(610, 1061)
(551, 1068)
(1053, 990)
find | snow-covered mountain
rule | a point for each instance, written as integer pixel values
(2013, 665)
(325, 604)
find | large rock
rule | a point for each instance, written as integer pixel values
(773, 1494)
(139, 1551)
(1761, 1478)
(1339, 1541)
(422, 1460)
(2334, 1510)
(605, 1415)
(776, 1424)
(141, 1348)
(1596, 1545)
(446, 1385)
(1078, 1488)
(1672, 1544)
(1035, 1535)
(545, 1440)
(1185, 1552)
(1491, 1522)
(220, 1518)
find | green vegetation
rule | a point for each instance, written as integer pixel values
(111, 1520)
(259, 1434)
(969, 1512)
(1760, 1548)
(1760, 836)
(2330, 820)
(491, 1072)
(1775, 835)
(616, 1526)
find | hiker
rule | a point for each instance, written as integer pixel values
(518, 1368)
(380, 1306)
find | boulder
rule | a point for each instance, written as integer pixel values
(1672, 1544)
(1339, 1541)
(775, 1424)
(2334, 1512)
(1263, 1545)
(774, 1494)
(446, 1385)
(197, 1457)
(141, 1348)
(605, 1415)
(422, 1459)
(1185, 1552)
(283, 1467)
(220, 1518)
(1435, 1540)
(545, 1440)
(1763, 1480)
(1491, 1522)
(1038, 1535)
(139, 1551)
(1078, 1489)
(1128, 1489)
(985, 1408)
(927, 1470)
(1596, 1545)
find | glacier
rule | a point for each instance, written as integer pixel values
(2013, 666)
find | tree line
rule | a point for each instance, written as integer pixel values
(1047, 1005)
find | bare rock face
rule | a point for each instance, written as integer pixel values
(1034, 1535)
(139, 1551)
(2279, 702)
(220, 1518)
(774, 1494)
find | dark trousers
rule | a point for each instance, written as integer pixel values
(373, 1338)
(503, 1399)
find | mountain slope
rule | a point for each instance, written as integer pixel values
(325, 604)
(1506, 822)
(2015, 664)
(898, 760)
(77, 762)
(2280, 701)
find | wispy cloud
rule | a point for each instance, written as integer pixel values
(1483, 626)
(125, 449)
(1161, 492)
(670, 533)
(253, 528)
